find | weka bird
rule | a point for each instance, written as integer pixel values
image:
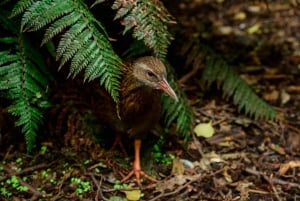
(143, 81)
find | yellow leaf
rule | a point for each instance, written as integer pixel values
(133, 195)
(204, 130)
(240, 16)
(253, 29)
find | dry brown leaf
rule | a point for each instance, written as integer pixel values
(209, 158)
(286, 166)
(177, 168)
(277, 148)
(284, 97)
(226, 175)
(271, 96)
(243, 188)
(225, 127)
(174, 182)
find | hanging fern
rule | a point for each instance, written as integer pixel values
(83, 41)
(180, 111)
(22, 78)
(148, 19)
(217, 70)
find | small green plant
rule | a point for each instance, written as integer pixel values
(19, 161)
(4, 192)
(14, 182)
(43, 150)
(119, 185)
(86, 162)
(81, 186)
(159, 156)
(45, 173)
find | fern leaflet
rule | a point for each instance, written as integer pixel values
(148, 19)
(22, 78)
(180, 111)
(217, 70)
(83, 39)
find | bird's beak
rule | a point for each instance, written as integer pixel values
(164, 85)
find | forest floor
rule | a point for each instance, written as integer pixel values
(245, 159)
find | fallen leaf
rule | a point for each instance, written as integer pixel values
(240, 16)
(286, 166)
(133, 195)
(204, 130)
(284, 97)
(174, 182)
(226, 175)
(209, 158)
(171, 183)
(243, 188)
(117, 198)
(253, 29)
(271, 96)
(277, 148)
(225, 30)
(177, 168)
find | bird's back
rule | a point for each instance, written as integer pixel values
(138, 110)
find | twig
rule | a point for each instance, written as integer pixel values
(26, 170)
(269, 180)
(98, 185)
(197, 177)
(35, 192)
(273, 180)
(198, 144)
(174, 192)
(190, 74)
(8, 152)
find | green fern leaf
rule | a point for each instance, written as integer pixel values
(21, 6)
(59, 25)
(218, 71)
(23, 81)
(180, 111)
(234, 86)
(149, 20)
(83, 39)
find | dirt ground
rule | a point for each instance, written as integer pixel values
(245, 159)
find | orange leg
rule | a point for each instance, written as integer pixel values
(118, 142)
(137, 170)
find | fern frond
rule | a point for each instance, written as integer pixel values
(234, 86)
(148, 19)
(82, 42)
(21, 6)
(180, 111)
(23, 80)
(217, 70)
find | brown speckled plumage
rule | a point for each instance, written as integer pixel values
(143, 81)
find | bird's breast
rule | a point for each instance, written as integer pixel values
(140, 109)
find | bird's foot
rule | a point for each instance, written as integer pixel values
(118, 142)
(138, 174)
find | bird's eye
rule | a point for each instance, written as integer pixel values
(150, 74)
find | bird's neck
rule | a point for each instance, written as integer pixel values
(131, 85)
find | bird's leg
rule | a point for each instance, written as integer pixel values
(118, 142)
(137, 170)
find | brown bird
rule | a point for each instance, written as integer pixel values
(143, 81)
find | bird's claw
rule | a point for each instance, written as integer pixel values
(138, 174)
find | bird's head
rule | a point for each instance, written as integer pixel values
(150, 71)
